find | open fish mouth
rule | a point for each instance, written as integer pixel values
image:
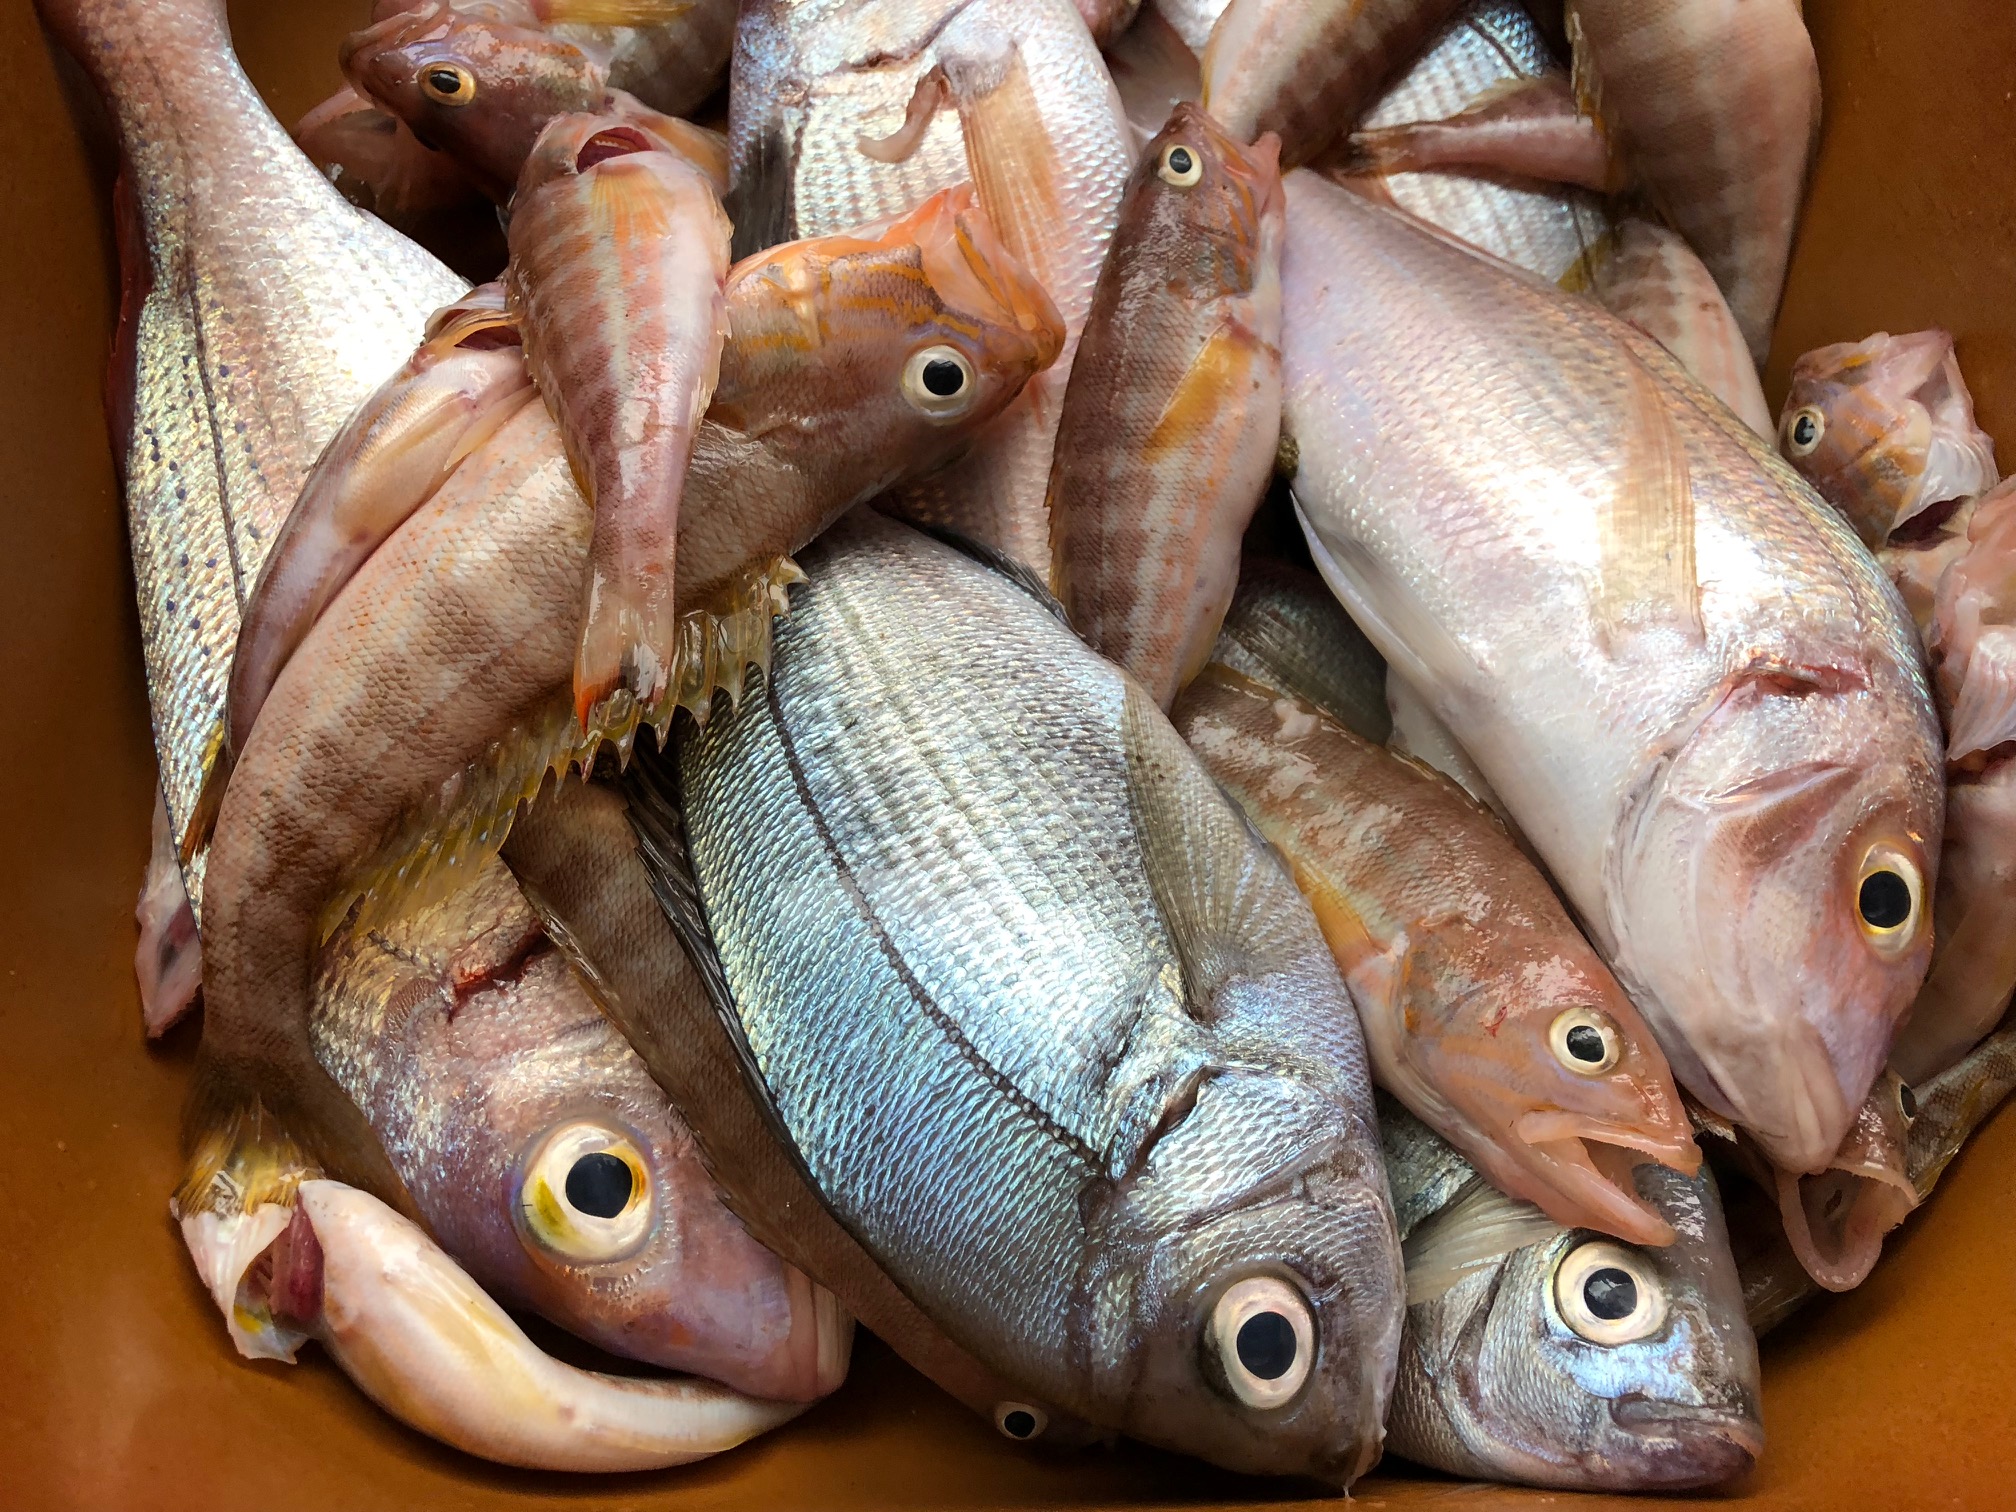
(1836, 1220)
(1593, 1162)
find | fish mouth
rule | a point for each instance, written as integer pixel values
(1836, 1220)
(1591, 1163)
(1688, 1444)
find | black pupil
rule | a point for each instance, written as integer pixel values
(1908, 1101)
(1802, 430)
(1266, 1345)
(944, 377)
(1179, 160)
(599, 1185)
(1019, 1424)
(1885, 901)
(445, 81)
(1610, 1294)
(1585, 1044)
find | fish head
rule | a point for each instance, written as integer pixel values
(883, 351)
(1546, 1053)
(1237, 1308)
(1778, 868)
(1595, 1363)
(1199, 189)
(477, 89)
(1884, 429)
(1836, 1219)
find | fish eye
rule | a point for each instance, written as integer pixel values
(1804, 430)
(586, 1195)
(1179, 166)
(448, 84)
(1585, 1041)
(938, 380)
(1888, 899)
(1608, 1295)
(1020, 1420)
(1265, 1335)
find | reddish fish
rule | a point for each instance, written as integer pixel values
(619, 257)
(1485, 1011)
(1173, 412)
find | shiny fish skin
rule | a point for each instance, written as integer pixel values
(1172, 416)
(1495, 1385)
(1191, 20)
(376, 163)
(1458, 955)
(1307, 69)
(619, 255)
(168, 958)
(1763, 683)
(1652, 278)
(1285, 629)
(1885, 430)
(1547, 229)
(227, 412)
(436, 676)
(475, 1052)
(1073, 1150)
(1716, 106)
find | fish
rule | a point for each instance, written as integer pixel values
(433, 691)
(837, 114)
(1119, 1142)
(1716, 109)
(1555, 1357)
(1597, 535)
(1191, 20)
(1153, 71)
(1973, 650)
(479, 88)
(1529, 127)
(466, 378)
(1884, 429)
(619, 258)
(671, 54)
(1836, 1219)
(579, 860)
(1107, 20)
(1170, 423)
(1307, 69)
(212, 451)
(168, 959)
(1484, 1010)
(1286, 629)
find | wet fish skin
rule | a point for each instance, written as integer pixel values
(581, 862)
(1154, 71)
(1459, 958)
(488, 1072)
(168, 960)
(429, 700)
(1072, 1154)
(1287, 630)
(1884, 429)
(1170, 423)
(324, 303)
(1307, 71)
(1107, 20)
(1495, 1384)
(1762, 682)
(1716, 106)
(619, 257)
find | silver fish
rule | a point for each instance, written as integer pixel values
(1100, 1102)
(1658, 645)
(1284, 628)
(1557, 1357)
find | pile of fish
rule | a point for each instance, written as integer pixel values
(1133, 691)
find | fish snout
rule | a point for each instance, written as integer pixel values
(1800, 1103)
(360, 52)
(1686, 1445)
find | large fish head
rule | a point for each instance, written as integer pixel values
(1778, 873)
(1884, 429)
(477, 89)
(1604, 1364)
(883, 351)
(1537, 1039)
(1199, 189)
(1245, 1284)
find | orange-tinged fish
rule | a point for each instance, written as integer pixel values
(1173, 412)
(1884, 429)
(619, 254)
(1484, 1010)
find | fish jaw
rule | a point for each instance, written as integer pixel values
(1572, 1168)
(619, 258)
(1836, 1219)
(423, 1341)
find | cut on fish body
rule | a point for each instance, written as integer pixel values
(1752, 738)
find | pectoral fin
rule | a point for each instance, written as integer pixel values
(1645, 528)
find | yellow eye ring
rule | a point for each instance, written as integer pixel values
(1889, 899)
(586, 1193)
(447, 83)
(1805, 427)
(1180, 165)
(1585, 1041)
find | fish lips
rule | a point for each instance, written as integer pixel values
(1684, 1445)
